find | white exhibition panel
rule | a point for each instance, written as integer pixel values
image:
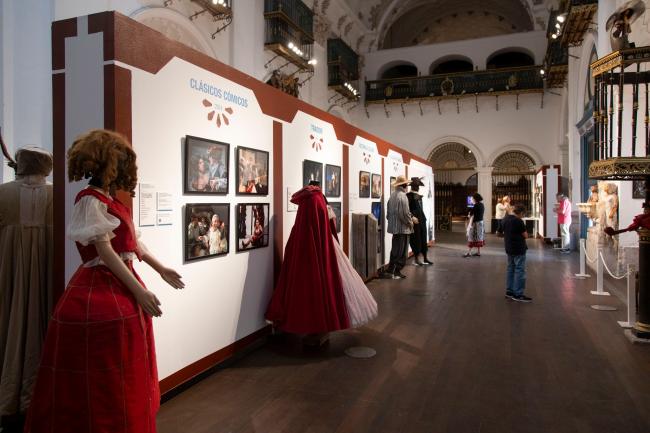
(539, 185)
(364, 156)
(552, 185)
(226, 296)
(416, 168)
(393, 166)
(298, 146)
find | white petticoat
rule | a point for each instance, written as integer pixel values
(362, 307)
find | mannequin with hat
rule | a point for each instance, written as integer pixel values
(25, 278)
(400, 225)
(418, 240)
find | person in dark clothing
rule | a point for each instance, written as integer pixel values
(418, 240)
(515, 235)
(475, 227)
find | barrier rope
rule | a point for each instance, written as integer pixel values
(584, 249)
(610, 272)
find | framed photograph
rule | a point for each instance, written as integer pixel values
(311, 170)
(364, 184)
(638, 189)
(376, 212)
(206, 166)
(332, 181)
(392, 183)
(206, 230)
(376, 185)
(252, 226)
(336, 207)
(252, 171)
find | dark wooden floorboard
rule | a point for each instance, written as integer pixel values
(452, 356)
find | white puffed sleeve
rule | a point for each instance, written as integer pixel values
(141, 245)
(90, 221)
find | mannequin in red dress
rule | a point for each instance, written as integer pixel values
(98, 371)
(308, 298)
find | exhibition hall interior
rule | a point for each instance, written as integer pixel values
(332, 216)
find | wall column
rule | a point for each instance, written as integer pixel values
(484, 178)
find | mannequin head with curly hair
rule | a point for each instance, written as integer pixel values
(106, 158)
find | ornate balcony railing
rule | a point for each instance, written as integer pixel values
(342, 68)
(578, 16)
(525, 79)
(556, 64)
(289, 30)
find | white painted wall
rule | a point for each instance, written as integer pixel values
(478, 50)
(25, 77)
(226, 297)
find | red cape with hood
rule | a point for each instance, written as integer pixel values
(308, 298)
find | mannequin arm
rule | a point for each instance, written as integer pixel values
(172, 277)
(145, 298)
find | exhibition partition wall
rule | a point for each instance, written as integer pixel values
(215, 147)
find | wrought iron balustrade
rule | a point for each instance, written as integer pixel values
(525, 79)
(294, 11)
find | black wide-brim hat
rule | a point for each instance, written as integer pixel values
(416, 181)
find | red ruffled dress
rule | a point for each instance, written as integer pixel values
(309, 298)
(98, 372)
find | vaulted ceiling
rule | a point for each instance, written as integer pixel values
(398, 23)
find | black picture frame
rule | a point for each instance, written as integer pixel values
(196, 231)
(638, 189)
(332, 187)
(336, 207)
(392, 179)
(364, 184)
(214, 157)
(247, 238)
(311, 170)
(375, 186)
(254, 165)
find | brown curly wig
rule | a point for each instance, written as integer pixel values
(105, 156)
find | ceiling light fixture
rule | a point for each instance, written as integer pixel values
(561, 18)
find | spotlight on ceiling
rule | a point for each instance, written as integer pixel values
(557, 25)
(554, 35)
(542, 72)
(561, 18)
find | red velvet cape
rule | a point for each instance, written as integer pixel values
(308, 298)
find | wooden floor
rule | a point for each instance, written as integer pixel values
(452, 356)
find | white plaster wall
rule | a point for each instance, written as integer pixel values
(478, 50)
(25, 75)
(488, 133)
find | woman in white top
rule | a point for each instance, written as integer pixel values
(502, 209)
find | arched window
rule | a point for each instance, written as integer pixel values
(451, 66)
(452, 156)
(510, 59)
(403, 70)
(514, 161)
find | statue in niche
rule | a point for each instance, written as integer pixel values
(287, 83)
(611, 207)
(593, 201)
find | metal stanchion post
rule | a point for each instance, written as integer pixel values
(583, 272)
(631, 299)
(599, 277)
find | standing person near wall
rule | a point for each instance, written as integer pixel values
(563, 211)
(502, 209)
(25, 279)
(400, 225)
(98, 371)
(476, 227)
(515, 235)
(418, 240)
